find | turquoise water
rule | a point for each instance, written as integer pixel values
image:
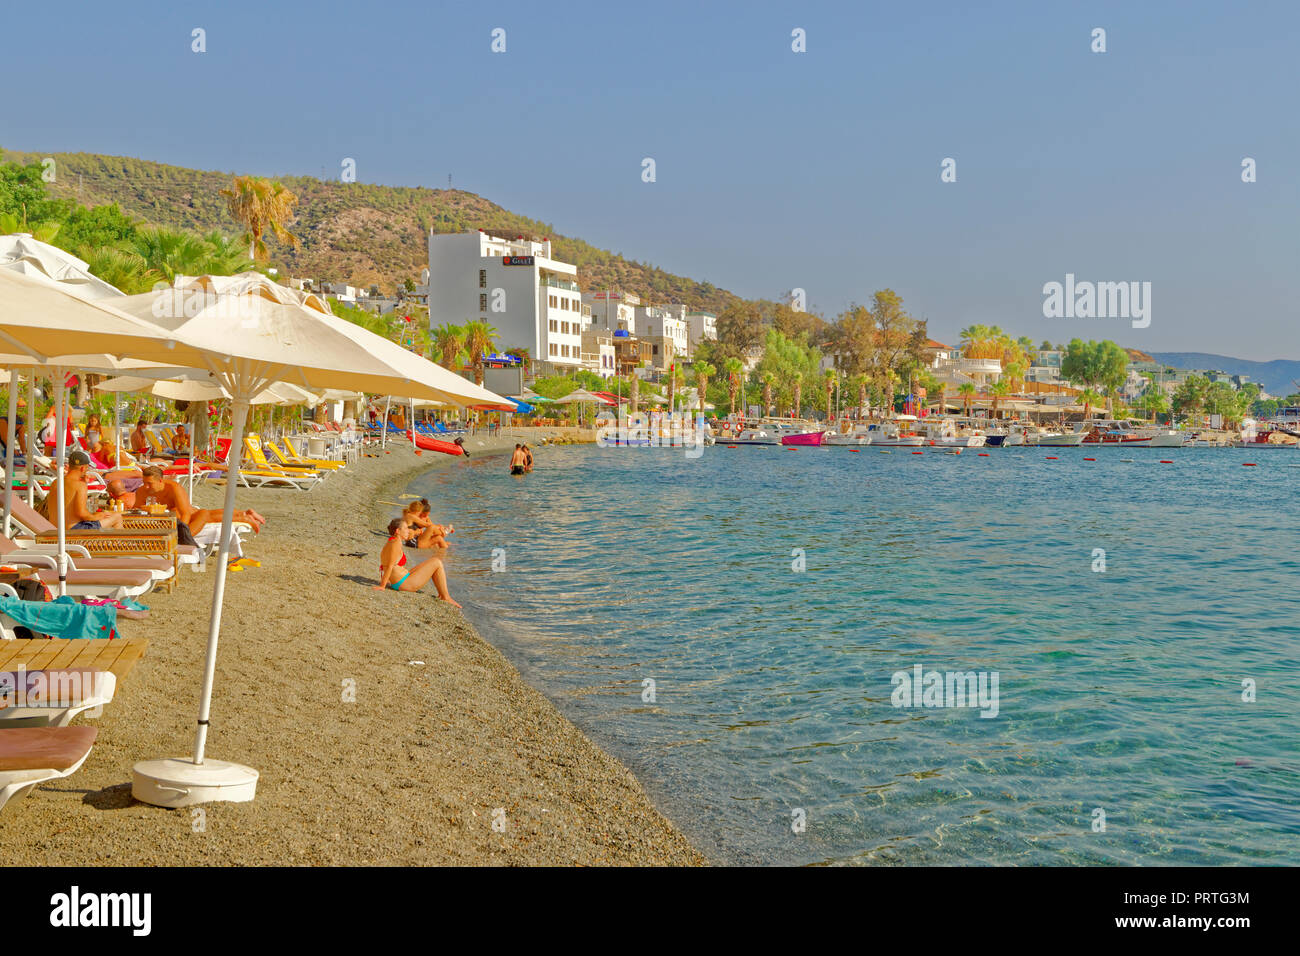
(1119, 690)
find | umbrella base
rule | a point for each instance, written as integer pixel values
(180, 782)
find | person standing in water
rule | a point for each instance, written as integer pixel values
(518, 462)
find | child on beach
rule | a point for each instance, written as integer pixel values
(393, 573)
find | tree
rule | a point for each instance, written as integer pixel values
(1190, 397)
(95, 228)
(829, 379)
(733, 367)
(260, 205)
(1089, 397)
(703, 372)
(1101, 365)
(480, 339)
(740, 328)
(796, 382)
(524, 355)
(967, 392)
(769, 380)
(998, 390)
(450, 341)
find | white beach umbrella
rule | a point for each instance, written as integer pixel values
(249, 337)
(45, 325)
(21, 253)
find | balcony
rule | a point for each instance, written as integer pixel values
(560, 284)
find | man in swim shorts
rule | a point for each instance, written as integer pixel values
(517, 461)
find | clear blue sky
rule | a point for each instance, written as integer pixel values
(774, 169)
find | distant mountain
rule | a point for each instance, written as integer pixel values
(1277, 377)
(357, 233)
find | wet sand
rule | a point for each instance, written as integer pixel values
(414, 772)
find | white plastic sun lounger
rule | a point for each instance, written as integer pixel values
(51, 698)
(34, 755)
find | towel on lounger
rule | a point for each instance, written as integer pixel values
(63, 617)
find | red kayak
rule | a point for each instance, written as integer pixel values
(432, 444)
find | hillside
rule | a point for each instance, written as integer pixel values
(357, 233)
(1278, 377)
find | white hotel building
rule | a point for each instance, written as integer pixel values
(531, 299)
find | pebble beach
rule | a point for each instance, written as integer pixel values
(442, 740)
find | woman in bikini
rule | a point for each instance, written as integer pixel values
(395, 576)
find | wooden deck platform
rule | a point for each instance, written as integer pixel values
(118, 656)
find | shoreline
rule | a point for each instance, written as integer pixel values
(414, 772)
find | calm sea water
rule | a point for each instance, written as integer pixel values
(1119, 690)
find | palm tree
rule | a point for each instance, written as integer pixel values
(1089, 399)
(168, 253)
(733, 367)
(633, 391)
(225, 258)
(480, 339)
(259, 205)
(769, 380)
(703, 372)
(830, 379)
(862, 381)
(939, 389)
(797, 379)
(678, 375)
(41, 231)
(999, 389)
(967, 392)
(450, 340)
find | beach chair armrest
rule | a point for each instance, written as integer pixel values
(31, 560)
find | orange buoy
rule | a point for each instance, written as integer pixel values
(1090, 459)
(1248, 464)
(1165, 461)
(855, 450)
(918, 453)
(983, 454)
(731, 446)
(1052, 458)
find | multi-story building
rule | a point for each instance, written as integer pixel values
(664, 322)
(701, 327)
(611, 309)
(598, 353)
(532, 299)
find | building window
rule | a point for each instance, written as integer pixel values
(482, 301)
(551, 300)
(565, 327)
(482, 278)
(555, 325)
(656, 350)
(554, 350)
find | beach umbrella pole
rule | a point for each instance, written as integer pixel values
(60, 443)
(9, 449)
(183, 782)
(383, 426)
(31, 413)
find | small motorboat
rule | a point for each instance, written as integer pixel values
(813, 439)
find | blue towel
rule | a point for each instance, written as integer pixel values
(62, 617)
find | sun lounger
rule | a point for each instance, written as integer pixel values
(129, 543)
(287, 453)
(34, 755)
(101, 584)
(51, 698)
(79, 559)
(270, 474)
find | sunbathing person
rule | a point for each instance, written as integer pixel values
(155, 489)
(77, 515)
(181, 442)
(427, 534)
(393, 573)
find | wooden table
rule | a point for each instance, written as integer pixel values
(118, 656)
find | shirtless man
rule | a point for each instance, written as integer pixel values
(518, 461)
(76, 512)
(157, 490)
